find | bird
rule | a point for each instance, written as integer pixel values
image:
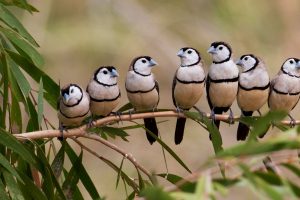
(222, 80)
(188, 85)
(73, 106)
(285, 88)
(253, 91)
(143, 90)
(104, 91)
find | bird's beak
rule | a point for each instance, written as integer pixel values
(66, 97)
(212, 50)
(298, 64)
(239, 62)
(114, 73)
(180, 53)
(152, 63)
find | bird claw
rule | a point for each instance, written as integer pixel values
(118, 114)
(231, 117)
(91, 123)
(61, 130)
(292, 122)
(130, 112)
(179, 110)
(213, 116)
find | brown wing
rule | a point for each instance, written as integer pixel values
(173, 88)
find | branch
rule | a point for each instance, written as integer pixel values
(117, 149)
(80, 131)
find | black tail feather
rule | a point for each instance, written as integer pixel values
(179, 131)
(150, 124)
(243, 129)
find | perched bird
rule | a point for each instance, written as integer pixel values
(104, 91)
(188, 85)
(142, 90)
(222, 80)
(253, 92)
(73, 106)
(285, 87)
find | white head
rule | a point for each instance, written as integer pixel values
(291, 66)
(247, 62)
(143, 65)
(106, 75)
(220, 51)
(189, 56)
(71, 94)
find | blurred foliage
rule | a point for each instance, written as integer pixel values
(28, 165)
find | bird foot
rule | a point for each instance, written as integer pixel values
(179, 110)
(62, 128)
(118, 114)
(231, 117)
(292, 122)
(130, 112)
(213, 116)
(91, 123)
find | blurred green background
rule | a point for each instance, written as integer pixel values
(78, 36)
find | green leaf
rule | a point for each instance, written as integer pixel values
(293, 168)
(28, 185)
(83, 175)
(12, 143)
(58, 162)
(260, 183)
(254, 148)
(141, 181)
(69, 185)
(33, 120)
(12, 186)
(20, 78)
(261, 125)
(5, 163)
(23, 47)
(10, 20)
(111, 131)
(216, 137)
(119, 173)
(168, 149)
(40, 103)
(155, 193)
(3, 193)
(19, 3)
(185, 185)
(16, 115)
(51, 88)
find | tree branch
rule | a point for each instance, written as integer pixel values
(80, 131)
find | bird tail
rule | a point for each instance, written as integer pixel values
(243, 129)
(150, 124)
(179, 131)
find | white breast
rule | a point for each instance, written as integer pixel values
(135, 82)
(192, 73)
(223, 70)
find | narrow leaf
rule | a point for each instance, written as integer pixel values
(40, 103)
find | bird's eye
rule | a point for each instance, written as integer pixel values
(144, 61)
(72, 90)
(220, 48)
(246, 58)
(291, 61)
(189, 51)
(105, 72)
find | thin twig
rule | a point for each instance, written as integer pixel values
(112, 118)
(91, 151)
(119, 150)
